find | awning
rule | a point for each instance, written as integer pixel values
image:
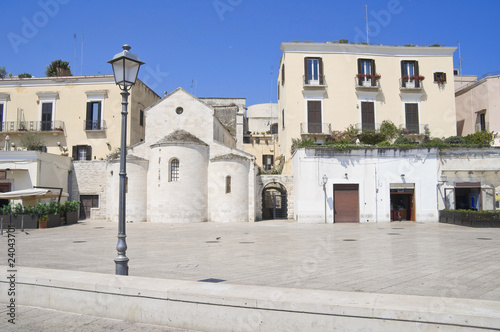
(34, 193)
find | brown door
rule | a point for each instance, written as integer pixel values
(367, 115)
(411, 110)
(346, 202)
(87, 202)
(314, 116)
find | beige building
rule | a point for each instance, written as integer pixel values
(78, 115)
(478, 104)
(328, 86)
(261, 135)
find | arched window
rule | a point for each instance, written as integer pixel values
(174, 170)
(228, 184)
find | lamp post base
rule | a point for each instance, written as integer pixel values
(121, 266)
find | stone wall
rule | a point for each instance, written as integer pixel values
(89, 178)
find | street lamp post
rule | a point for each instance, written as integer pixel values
(125, 69)
(325, 180)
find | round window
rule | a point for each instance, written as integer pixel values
(179, 110)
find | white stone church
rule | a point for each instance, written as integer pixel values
(188, 168)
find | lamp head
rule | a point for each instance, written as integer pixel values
(125, 68)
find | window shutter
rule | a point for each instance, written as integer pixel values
(75, 152)
(88, 122)
(374, 72)
(99, 108)
(435, 77)
(283, 74)
(444, 76)
(89, 152)
(417, 72)
(306, 74)
(320, 62)
(403, 83)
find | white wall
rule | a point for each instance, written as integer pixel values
(373, 170)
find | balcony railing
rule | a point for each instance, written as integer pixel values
(368, 126)
(482, 127)
(407, 84)
(413, 129)
(37, 126)
(320, 82)
(308, 128)
(94, 125)
(371, 83)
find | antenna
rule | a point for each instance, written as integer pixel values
(367, 30)
(81, 65)
(459, 58)
(74, 46)
(271, 90)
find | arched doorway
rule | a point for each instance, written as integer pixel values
(274, 202)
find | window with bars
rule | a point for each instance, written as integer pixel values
(174, 170)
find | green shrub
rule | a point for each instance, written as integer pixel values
(371, 137)
(384, 143)
(403, 140)
(389, 130)
(5, 210)
(482, 138)
(454, 140)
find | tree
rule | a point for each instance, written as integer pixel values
(24, 75)
(3, 73)
(32, 141)
(58, 68)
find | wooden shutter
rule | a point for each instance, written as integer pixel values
(75, 152)
(88, 122)
(320, 64)
(89, 152)
(411, 110)
(417, 72)
(403, 82)
(283, 74)
(99, 107)
(306, 74)
(367, 115)
(436, 77)
(314, 116)
(374, 81)
(360, 81)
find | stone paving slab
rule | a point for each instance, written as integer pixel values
(407, 258)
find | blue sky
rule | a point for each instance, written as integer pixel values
(231, 48)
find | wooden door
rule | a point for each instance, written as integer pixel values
(367, 115)
(346, 203)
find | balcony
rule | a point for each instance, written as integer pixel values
(319, 82)
(94, 125)
(409, 85)
(367, 84)
(311, 128)
(414, 129)
(11, 127)
(368, 126)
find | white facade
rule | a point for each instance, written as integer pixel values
(391, 184)
(188, 169)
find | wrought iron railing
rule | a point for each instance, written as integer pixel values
(406, 83)
(311, 82)
(413, 129)
(370, 83)
(315, 128)
(37, 126)
(368, 126)
(94, 125)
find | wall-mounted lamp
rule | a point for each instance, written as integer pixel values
(107, 142)
(345, 176)
(58, 143)
(12, 144)
(471, 172)
(402, 175)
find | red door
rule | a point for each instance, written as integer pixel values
(346, 202)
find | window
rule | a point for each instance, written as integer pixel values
(283, 74)
(267, 162)
(409, 71)
(367, 115)
(366, 71)
(455, 72)
(1, 117)
(179, 110)
(283, 119)
(141, 118)
(46, 116)
(481, 122)
(82, 152)
(313, 72)
(274, 128)
(174, 170)
(411, 115)
(439, 77)
(93, 121)
(313, 116)
(228, 184)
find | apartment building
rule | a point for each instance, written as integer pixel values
(478, 104)
(324, 87)
(75, 115)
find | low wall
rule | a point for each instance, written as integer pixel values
(470, 218)
(207, 306)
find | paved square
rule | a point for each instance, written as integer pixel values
(397, 258)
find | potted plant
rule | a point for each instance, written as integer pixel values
(43, 217)
(54, 214)
(5, 215)
(64, 152)
(377, 76)
(71, 209)
(360, 76)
